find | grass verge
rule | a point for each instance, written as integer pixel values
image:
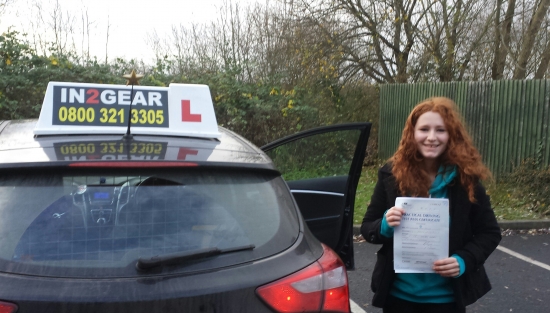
(506, 202)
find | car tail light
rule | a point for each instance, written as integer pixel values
(6, 307)
(320, 287)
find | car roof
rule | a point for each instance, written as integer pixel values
(20, 146)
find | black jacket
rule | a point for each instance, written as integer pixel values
(473, 235)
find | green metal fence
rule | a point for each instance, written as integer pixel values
(508, 120)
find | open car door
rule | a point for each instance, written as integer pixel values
(322, 167)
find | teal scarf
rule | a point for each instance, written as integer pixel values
(445, 175)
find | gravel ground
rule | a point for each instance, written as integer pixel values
(532, 232)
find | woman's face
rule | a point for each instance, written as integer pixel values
(430, 135)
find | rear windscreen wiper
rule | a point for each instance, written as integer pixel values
(180, 257)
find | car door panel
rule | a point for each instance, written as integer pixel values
(322, 167)
(320, 201)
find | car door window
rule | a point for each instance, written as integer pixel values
(322, 167)
(323, 155)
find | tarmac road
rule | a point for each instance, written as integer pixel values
(519, 271)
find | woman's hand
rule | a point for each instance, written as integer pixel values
(447, 267)
(393, 216)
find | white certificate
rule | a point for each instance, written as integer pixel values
(423, 235)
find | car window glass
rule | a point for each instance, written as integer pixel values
(321, 155)
(104, 222)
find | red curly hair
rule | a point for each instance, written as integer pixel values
(412, 178)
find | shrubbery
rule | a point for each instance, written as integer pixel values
(24, 75)
(530, 183)
(262, 110)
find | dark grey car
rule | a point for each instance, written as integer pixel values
(157, 223)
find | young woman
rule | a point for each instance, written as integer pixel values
(435, 158)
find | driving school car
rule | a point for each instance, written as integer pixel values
(133, 199)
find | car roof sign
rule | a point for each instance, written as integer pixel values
(82, 108)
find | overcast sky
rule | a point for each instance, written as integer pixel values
(130, 21)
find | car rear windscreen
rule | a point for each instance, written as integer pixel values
(98, 223)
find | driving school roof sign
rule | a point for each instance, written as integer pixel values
(177, 110)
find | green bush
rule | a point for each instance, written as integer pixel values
(24, 75)
(530, 184)
(261, 109)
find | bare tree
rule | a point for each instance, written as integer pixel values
(52, 22)
(545, 58)
(503, 30)
(247, 39)
(107, 40)
(62, 25)
(454, 30)
(389, 41)
(520, 40)
(529, 38)
(86, 34)
(378, 37)
(4, 4)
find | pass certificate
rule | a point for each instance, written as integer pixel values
(422, 236)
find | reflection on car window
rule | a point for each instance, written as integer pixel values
(109, 221)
